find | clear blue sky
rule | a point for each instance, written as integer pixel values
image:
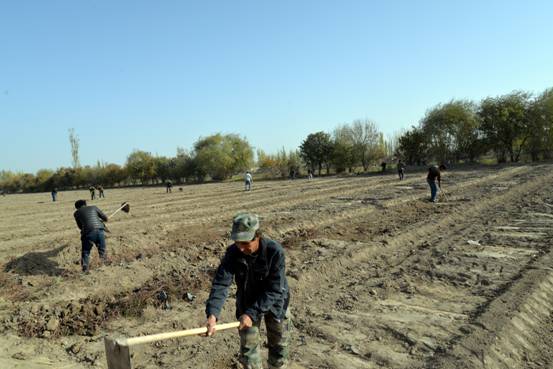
(154, 75)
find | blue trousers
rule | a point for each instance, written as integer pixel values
(433, 190)
(97, 238)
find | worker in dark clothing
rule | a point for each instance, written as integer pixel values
(168, 186)
(257, 264)
(434, 174)
(92, 192)
(100, 189)
(54, 194)
(90, 221)
(400, 170)
(383, 165)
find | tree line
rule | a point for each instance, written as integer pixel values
(512, 127)
(216, 157)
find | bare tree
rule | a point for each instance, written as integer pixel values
(367, 143)
(74, 141)
(392, 143)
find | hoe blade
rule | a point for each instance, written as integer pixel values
(118, 355)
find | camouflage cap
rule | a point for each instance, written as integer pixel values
(244, 226)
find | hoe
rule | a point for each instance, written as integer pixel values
(444, 194)
(126, 207)
(118, 350)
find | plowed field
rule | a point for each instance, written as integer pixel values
(379, 277)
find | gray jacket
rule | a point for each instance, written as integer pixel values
(89, 218)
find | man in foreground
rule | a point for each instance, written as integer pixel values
(90, 221)
(435, 174)
(258, 267)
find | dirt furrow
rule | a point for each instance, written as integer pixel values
(380, 278)
(401, 330)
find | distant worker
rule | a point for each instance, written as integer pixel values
(309, 174)
(248, 181)
(400, 169)
(292, 173)
(435, 174)
(257, 265)
(168, 186)
(90, 221)
(54, 194)
(100, 189)
(383, 165)
(92, 192)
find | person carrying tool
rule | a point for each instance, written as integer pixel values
(400, 170)
(248, 181)
(434, 174)
(258, 267)
(90, 221)
(92, 192)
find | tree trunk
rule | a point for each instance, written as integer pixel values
(501, 156)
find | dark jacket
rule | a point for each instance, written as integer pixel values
(89, 218)
(434, 173)
(261, 282)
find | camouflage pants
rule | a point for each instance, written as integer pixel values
(278, 338)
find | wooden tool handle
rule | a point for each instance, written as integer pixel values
(164, 336)
(116, 211)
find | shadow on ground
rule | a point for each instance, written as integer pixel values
(36, 263)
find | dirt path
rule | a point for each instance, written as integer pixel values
(380, 278)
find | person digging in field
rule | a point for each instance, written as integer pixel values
(400, 170)
(248, 181)
(434, 174)
(257, 264)
(90, 221)
(92, 192)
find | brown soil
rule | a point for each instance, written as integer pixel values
(380, 278)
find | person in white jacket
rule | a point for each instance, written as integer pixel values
(248, 179)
